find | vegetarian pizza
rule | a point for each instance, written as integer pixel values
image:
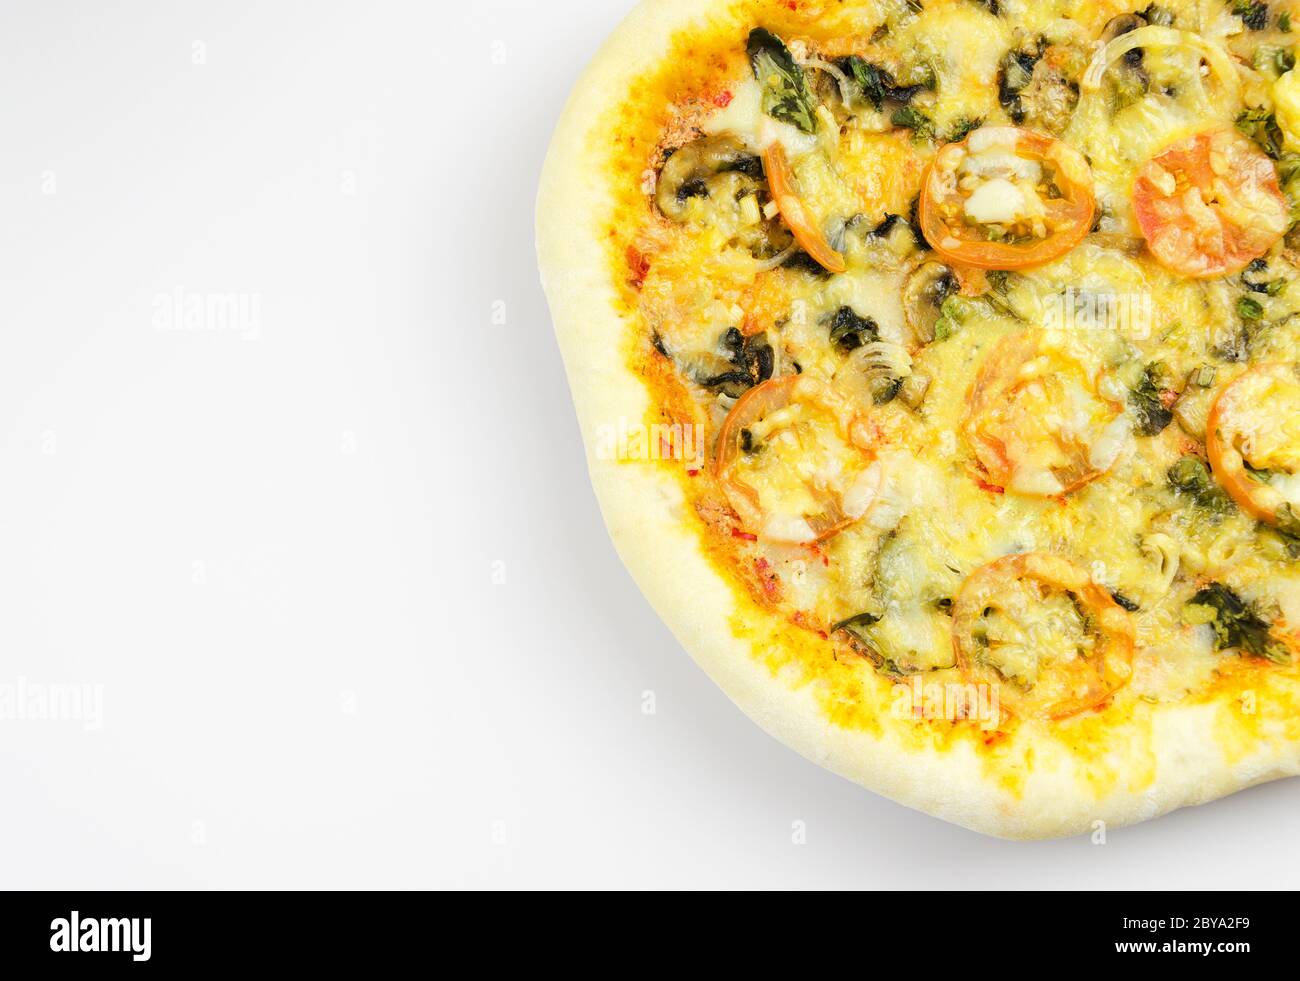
(938, 363)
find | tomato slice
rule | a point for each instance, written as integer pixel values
(1209, 204)
(1253, 441)
(794, 463)
(1037, 421)
(1006, 198)
(1051, 641)
(780, 181)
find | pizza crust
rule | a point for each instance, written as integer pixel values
(648, 518)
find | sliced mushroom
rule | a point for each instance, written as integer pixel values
(1121, 24)
(912, 392)
(1164, 555)
(881, 88)
(712, 166)
(848, 331)
(874, 373)
(1192, 410)
(1129, 75)
(924, 291)
(1014, 76)
(1049, 100)
(892, 239)
(748, 360)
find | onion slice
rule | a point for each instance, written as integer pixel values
(841, 80)
(1155, 36)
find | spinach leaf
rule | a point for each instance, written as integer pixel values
(802, 262)
(1253, 13)
(849, 331)
(963, 128)
(854, 623)
(1235, 623)
(887, 225)
(1191, 478)
(1014, 76)
(1250, 278)
(1159, 16)
(918, 122)
(786, 95)
(1261, 126)
(1131, 605)
(1148, 400)
(871, 79)
(952, 313)
(1272, 61)
(879, 86)
(1288, 521)
(859, 628)
(1249, 308)
(914, 220)
(752, 360)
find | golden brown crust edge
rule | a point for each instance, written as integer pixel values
(647, 516)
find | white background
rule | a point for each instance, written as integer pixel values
(273, 542)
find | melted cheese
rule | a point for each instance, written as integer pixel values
(1286, 102)
(964, 44)
(744, 117)
(1112, 312)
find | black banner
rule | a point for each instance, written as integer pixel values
(98, 932)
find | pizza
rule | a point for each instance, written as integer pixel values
(937, 364)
